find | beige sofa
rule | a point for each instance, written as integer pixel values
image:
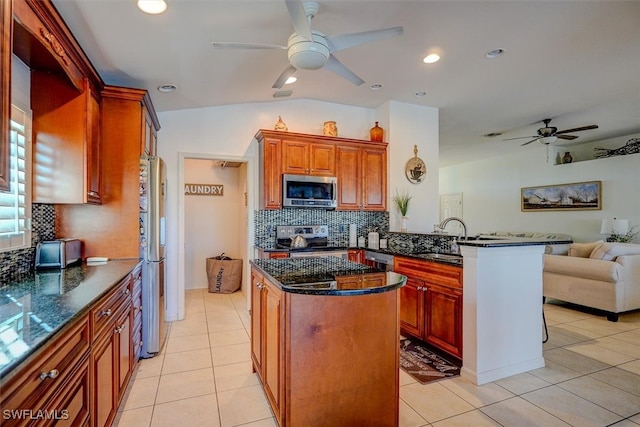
(600, 275)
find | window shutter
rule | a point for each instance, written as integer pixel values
(15, 205)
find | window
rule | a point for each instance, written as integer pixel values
(15, 205)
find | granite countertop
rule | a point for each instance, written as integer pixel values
(36, 308)
(328, 276)
(515, 241)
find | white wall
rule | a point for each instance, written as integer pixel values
(227, 132)
(213, 224)
(492, 192)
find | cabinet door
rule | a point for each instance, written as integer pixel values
(272, 175)
(72, 403)
(94, 168)
(295, 157)
(412, 308)
(374, 179)
(272, 342)
(355, 255)
(104, 382)
(443, 321)
(6, 17)
(256, 321)
(349, 173)
(322, 159)
(124, 350)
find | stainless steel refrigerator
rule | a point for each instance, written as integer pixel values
(153, 189)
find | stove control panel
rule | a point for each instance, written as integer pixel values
(308, 231)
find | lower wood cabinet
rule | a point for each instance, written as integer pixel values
(80, 377)
(431, 303)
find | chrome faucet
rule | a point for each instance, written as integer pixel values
(446, 221)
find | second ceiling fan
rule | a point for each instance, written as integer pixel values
(549, 134)
(309, 49)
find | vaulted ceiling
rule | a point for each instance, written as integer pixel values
(577, 62)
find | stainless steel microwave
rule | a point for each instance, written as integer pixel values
(306, 191)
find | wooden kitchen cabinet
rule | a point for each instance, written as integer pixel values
(356, 255)
(66, 141)
(56, 380)
(308, 158)
(431, 303)
(113, 230)
(136, 304)
(112, 353)
(360, 166)
(362, 177)
(266, 338)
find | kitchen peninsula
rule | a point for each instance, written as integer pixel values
(325, 340)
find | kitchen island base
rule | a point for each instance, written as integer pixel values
(327, 353)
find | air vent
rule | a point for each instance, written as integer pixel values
(282, 93)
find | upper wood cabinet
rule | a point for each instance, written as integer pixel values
(65, 100)
(308, 158)
(5, 90)
(362, 176)
(360, 166)
(66, 141)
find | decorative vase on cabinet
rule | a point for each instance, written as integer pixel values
(376, 133)
(567, 157)
(330, 128)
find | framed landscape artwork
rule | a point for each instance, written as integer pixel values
(562, 197)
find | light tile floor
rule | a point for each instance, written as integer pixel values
(203, 377)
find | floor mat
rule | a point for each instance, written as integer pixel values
(423, 364)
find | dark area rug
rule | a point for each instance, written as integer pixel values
(423, 364)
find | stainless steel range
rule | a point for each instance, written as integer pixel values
(316, 237)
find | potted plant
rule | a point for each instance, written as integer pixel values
(628, 237)
(402, 203)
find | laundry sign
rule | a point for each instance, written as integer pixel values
(203, 189)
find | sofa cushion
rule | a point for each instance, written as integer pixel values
(583, 250)
(611, 250)
(586, 268)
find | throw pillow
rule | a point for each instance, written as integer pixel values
(583, 250)
(610, 251)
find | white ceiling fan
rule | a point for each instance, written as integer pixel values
(550, 134)
(309, 49)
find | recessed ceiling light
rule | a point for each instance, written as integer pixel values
(376, 86)
(492, 134)
(152, 7)
(494, 53)
(167, 88)
(290, 80)
(431, 58)
(419, 94)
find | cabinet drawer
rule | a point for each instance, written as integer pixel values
(48, 372)
(433, 272)
(105, 311)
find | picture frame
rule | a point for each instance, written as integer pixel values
(576, 196)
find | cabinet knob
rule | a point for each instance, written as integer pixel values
(51, 374)
(93, 193)
(118, 329)
(126, 291)
(106, 312)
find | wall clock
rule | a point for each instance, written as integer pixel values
(416, 169)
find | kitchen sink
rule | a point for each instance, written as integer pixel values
(444, 257)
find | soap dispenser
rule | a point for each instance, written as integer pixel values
(454, 247)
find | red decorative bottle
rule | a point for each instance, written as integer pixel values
(376, 133)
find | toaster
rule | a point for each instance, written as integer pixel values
(60, 253)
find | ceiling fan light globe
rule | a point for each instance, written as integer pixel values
(548, 140)
(308, 55)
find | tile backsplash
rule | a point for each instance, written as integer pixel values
(338, 222)
(20, 263)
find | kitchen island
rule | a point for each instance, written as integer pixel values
(325, 340)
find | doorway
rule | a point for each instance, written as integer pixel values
(214, 217)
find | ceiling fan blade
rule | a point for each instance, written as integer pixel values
(299, 18)
(529, 142)
(229, 45)
(345, 41)
(568, 137)
(288, 72)
(521, 137)
(340, 69)
(577, 129)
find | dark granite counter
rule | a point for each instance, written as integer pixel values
(521, 241)
(328, 276)
(35, 309)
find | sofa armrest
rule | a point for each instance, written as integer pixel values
(631, 267)
(587, 268)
